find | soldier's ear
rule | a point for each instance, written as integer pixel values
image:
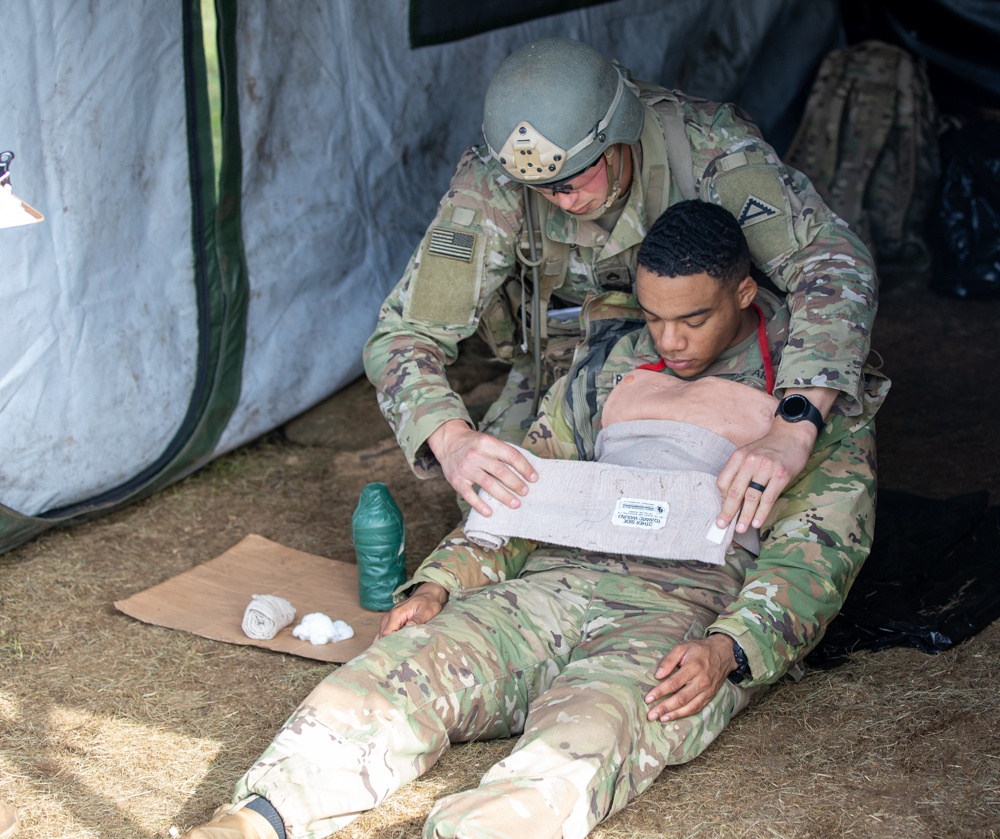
(746, 291)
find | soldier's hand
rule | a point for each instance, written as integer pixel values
(470, 459)
(756, 474)
(691, 674)
(772, 462)
(427, 601)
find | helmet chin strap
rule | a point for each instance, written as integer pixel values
(614, 186)
(614, 189)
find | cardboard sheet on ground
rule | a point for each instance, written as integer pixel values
(210, 599)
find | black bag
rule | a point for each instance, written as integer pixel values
(965, 234)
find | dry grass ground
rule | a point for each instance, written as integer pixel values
(113, 728)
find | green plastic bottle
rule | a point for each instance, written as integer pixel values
(380, 546)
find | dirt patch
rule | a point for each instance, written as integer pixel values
(113, 728)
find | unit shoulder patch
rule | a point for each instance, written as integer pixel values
(756, 197)
(756, 210)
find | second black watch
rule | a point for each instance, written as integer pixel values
(795, 408)
(742, 670)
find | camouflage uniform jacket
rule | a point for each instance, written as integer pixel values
(813, 544)
(454, 283)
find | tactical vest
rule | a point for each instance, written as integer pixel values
(605, 320)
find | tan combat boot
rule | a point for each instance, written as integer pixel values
(233, 821)
(8, 820)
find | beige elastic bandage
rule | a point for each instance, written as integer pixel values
(651, 490)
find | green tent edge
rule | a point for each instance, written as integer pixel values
(222, 289)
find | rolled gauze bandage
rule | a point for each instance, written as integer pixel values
(266, 616)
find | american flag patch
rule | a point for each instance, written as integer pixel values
(451, 243)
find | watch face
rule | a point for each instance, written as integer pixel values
(794, 406)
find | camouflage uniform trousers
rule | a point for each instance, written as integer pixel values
(562, 657)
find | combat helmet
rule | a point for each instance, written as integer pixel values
(553, 107)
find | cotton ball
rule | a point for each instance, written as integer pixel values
(317, 628)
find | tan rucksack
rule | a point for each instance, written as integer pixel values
(868, 142)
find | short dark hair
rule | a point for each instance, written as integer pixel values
(695, 237)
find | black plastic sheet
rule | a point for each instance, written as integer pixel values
(964, 229)
(931, 581)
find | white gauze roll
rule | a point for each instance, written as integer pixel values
(266, 615)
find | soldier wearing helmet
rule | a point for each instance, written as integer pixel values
(569, 136)
(577, 164)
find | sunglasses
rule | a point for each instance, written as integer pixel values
(574, 182)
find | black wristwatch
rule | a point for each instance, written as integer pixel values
(742, 670)
(795, 408)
